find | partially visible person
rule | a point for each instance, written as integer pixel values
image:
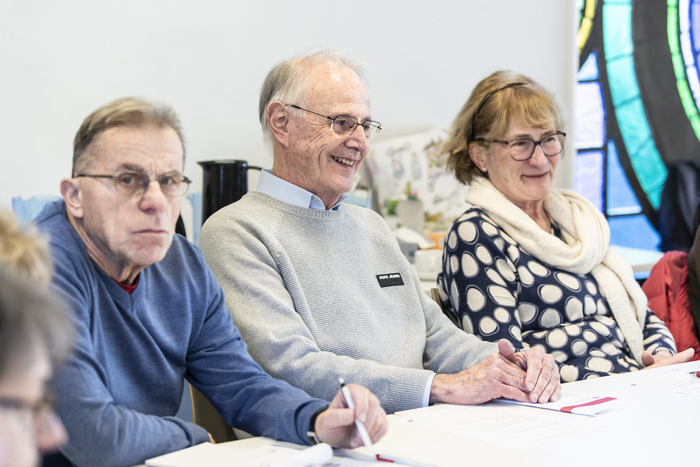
(149, 312)
(35, 337)
(319, 288)
(532, 264)
(23, 251)
(694, 274)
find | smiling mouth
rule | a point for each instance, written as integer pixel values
(343, 161)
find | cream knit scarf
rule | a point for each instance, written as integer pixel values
(585, 249)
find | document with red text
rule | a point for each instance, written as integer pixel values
(572, 402)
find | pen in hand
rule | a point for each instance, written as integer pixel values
(360, 426)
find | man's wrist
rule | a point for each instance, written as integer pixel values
(311, 435)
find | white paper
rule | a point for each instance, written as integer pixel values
(581, 404)
(226, 455)
(271, 455)
(496, 424)
(673, 379)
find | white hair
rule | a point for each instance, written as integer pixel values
(287, 80)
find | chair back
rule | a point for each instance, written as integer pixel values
(667, 291)
(205, 415)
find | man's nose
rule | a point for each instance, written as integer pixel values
(153, 196)
(358, 138)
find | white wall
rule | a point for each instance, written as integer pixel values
(59, 60)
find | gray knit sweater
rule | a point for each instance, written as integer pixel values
(303, 290)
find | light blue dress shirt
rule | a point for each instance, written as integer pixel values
(282, 190)
(289, 193)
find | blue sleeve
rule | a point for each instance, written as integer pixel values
(656, 335)
(480, 280)
(102, 432)
(220, 367)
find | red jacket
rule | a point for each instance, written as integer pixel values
(667, 291)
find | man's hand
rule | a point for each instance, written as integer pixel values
(664, 358)
(526, 376)
(336, 426)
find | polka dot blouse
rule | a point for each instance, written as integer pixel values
(496, 290)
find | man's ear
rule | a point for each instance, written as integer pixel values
(278, 120)
(478, 156)
(73, 196)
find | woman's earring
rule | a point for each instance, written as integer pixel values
(483, 169)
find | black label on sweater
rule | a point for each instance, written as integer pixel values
(389, 280)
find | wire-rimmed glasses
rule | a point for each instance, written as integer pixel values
(173, 185)
(344, 125)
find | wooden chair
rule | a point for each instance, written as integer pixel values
(205, 415)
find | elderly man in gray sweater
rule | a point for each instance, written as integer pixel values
(319, 289)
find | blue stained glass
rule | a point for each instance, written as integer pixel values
(589, 70)
(588, 178)
(634, 232)
(620, 196)
(617, 29)
(695, 23)
(590, 116)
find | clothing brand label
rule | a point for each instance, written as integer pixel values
(389, 280)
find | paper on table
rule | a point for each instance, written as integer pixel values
(572, 402)
(497, 424)
(674, 379)
(225, 455)
(270, 455)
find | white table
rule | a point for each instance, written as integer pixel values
(655, 429)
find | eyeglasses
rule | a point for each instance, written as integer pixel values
(36, 410)
(172, 185)
(344, 125)
(522, 149)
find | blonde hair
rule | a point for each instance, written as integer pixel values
(529, 105)
(23, 251)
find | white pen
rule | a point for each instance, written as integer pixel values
(360, 426)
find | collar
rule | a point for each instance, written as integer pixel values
(282, 190)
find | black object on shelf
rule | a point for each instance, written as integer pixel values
(224, 182)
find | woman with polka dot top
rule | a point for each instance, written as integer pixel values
(532, 264)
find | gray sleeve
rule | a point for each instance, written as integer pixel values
(262, 294)
(448, 349)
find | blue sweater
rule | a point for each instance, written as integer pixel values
(119, 392)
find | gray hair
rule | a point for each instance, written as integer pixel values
(127, 111)
(31, 320)
(287, 80)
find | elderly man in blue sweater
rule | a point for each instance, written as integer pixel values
(149, 312)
